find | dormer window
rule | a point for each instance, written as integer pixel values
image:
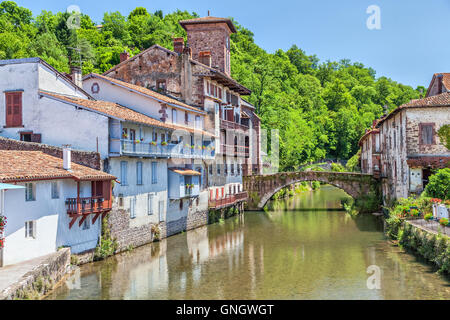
(161, 85)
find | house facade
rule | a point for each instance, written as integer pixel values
(409, 146)
(52, 203)
(198, 74)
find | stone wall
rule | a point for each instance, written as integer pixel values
(126, 236)
(41, 279)
(194, 220)
(88, 159)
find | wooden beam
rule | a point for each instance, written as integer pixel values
(95, 217)
(82, 220)
(72, 222)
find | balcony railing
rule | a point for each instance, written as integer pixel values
(228, 200)
(226, 124)
(170, 150)
(87, 205)
(234, 150)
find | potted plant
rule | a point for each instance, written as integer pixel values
(153, 143)
(2, 242)
(428, 217)
(138, 141)
(444, 222)
(3, 221)
(124, 136)
(164, 143)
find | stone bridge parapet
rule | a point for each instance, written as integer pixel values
(262, 187)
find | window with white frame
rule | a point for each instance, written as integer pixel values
(161, 210)
(55, 190)
(198, 122)
(133, 207)
(30, 229)
(154, 172)
(123, 173)
(150, 204)
(139, 173)
(30, 192)
(174, 116)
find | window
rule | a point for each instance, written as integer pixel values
(26, 136)
(161, 85)
(55, 190)
(232, 169)
(86, 224)
(133, 207)
(225, 169)
(30, 192)
(154, 172)
(181, 204)
(161, 210)
(30, 229)
(210, 169)
(174, 116)
(426, 132)
(238, 167)
(198, 123)
(218, 169)
(124, 173)
(139, 173)
(150, 204)
(13, 109)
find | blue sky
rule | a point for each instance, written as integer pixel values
(411, 45)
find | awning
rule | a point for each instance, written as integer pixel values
(4, 186)
(186, 172)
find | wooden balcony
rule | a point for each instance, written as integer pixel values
(228, 200)
(231, 125)
(83, 207)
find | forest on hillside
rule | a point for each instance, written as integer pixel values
(320, 108)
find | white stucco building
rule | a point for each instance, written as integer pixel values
(54, 207)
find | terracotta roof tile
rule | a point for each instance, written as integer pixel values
(36, 165)
(208, 20)
(147, 92)
(186, 172)
(117, 111)
(440, 100)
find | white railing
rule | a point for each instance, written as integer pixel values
(170, 150)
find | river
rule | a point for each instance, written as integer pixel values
(302, 248)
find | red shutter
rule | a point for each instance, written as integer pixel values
(13, 109)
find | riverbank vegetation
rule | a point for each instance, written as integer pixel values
(433, 247)
(297, 188)
(321, 108)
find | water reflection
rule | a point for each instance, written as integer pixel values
(286, 253)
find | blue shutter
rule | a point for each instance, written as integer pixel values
(139, 173)
(123, 173)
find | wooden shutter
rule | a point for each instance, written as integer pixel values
(427, 134)
(13, 109)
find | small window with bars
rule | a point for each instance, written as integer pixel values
(30, 229)
(30, 191)
(55, 190)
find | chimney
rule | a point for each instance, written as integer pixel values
(178, 45)
(188, 51)
(67, 157)
(75, 73)
(124, 56)
(205, 58)
(440, 84)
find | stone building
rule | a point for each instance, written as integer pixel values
(198, 74)
(409, 147)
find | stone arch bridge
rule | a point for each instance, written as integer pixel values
(261, 188)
